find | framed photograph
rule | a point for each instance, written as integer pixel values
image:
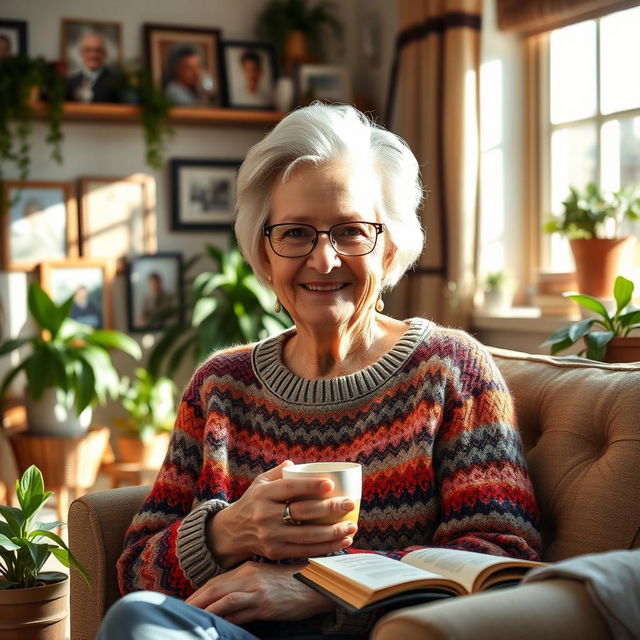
(203, 194)
(249, 74)
(154, 284)
(117, 216)
(90, 283)
(13, 38)
(91, 51)
(41, 224)
(185, 62)
(327, 83)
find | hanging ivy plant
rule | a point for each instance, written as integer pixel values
(23, 81)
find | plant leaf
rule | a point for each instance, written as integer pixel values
(43, 309)
(589, 302)
(631, 317)
(597, 342)
(69, 560)
(11, 345)
(579, 329)
(556, 337)
(14, 518)
(622, 292)
(7, 544)
(115, 339)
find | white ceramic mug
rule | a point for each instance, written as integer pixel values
(347, 483)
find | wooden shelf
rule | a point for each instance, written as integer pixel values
(195, 116)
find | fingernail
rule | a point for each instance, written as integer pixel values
(351, 527)
(348, 542)
(348, 505)
(326, 485)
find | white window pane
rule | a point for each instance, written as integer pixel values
(572, 59)
(619, 51)
(573, 163)
(630, 151)
(573, 160)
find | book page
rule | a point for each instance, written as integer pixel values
(372, 570)
(461, 566)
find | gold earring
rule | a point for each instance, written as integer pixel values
(379, 305)
(277, 307)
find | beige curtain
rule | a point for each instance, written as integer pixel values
(433, 105)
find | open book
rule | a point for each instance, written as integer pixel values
(360, 580)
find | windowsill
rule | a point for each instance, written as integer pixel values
(519, 319)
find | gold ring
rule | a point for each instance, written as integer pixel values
(286, 516)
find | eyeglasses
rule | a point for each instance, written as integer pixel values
(293, 240)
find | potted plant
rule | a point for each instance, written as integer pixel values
(22, 81)
(592, 222)
(498, 292)
(33, 602)
(297, 29)
(223, 307)
(150, 405)
(606, 334)
(68, 369)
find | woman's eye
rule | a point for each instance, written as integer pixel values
(350, 232)
(297, 233)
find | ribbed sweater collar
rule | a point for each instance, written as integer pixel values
(268, 365)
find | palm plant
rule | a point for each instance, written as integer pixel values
(223, 307)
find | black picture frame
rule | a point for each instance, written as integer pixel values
(166, 45)
(13, 37)
(249, 74)
(164, 269)
(203, 193)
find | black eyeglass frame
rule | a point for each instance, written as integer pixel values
(378, 226)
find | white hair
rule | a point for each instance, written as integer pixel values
(320, 134)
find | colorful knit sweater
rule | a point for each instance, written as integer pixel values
(431, 423)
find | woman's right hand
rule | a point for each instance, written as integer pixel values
(253, 525)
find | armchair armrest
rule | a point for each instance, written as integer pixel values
(547, 610)
(97, 524)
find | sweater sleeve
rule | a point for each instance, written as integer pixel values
(165, 548)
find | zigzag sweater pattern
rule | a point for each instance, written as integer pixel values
(431, 423)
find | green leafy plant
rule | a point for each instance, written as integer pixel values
(136, 85)
(280, 17)
(150, 405)
(67, 355)
(598, 331)
(20, 78)
(496, 281)
(26, 544)
(224, 306)
(595, 213)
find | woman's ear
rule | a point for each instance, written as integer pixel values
(389, 253)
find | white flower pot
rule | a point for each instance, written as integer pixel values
(55, 415)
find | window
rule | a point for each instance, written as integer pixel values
(590, 115)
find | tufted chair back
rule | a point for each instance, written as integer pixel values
(580, 424)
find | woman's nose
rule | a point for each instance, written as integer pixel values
(323, 256)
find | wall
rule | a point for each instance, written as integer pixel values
(117, 149)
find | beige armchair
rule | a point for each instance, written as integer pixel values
(580, 424)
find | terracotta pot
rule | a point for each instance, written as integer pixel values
(38, 613)
(147, 454)
(623, 350)
(599, 261)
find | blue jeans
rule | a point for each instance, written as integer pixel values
(148, 615)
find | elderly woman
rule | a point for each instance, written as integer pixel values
(327, 218)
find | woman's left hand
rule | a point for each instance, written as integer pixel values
(258, 591)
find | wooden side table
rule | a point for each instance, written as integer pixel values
(68, 463)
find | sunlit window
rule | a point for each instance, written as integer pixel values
(591, 113)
